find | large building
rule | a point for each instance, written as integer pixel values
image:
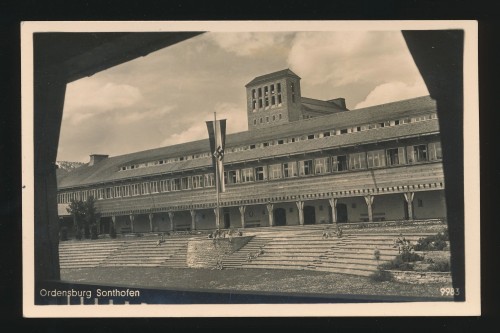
(302, 161)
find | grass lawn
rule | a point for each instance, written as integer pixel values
(254, 280)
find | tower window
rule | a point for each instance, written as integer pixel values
(260, 102)
(266, 91)
(279, 116)
(278, 86)
(260, 92)
(261, 120)
(274, 117)
(267, 119)
(254, 104)
(279, 99)
(267, 101)
(253, 93)
(255, 121)
(273, 100)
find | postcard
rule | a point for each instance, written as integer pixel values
(257, 168)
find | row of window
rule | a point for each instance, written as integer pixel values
(301, 168)
(388, 123)
(267, 96)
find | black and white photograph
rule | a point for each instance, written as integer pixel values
(235, 169)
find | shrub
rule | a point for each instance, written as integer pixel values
(439, 265)
(410, 257)
(63, 234)
(93, 232)
(79, 234)
(112, 232)
(381, 276)
(433, 243)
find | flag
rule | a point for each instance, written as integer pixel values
(217, 138)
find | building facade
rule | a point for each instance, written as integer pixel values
(302, 161)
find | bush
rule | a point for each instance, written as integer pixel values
(402, 262)
(440, 265)
(93, 232)
(381, 276)
(112, 232)
(63, 234)
(410, 257)
(433, 243)
(79, 234)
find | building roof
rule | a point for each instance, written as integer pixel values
(108, 169)
(267, 77)
(316, 105)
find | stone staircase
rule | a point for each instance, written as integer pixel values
(84, 254)
(124, 252)
(145, 253)
(238, 258)
(351, 254)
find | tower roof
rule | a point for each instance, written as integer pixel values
(274, 75)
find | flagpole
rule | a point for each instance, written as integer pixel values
(217, 217)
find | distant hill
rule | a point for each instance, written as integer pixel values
(65, 166)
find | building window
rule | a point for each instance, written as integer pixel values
(339, 163)
(185, 183)
(279, 100)
(325, 134)
(417, 153)
(357, 161)
(175, 184)
(260, 103)
(267, 119)
(252, 146)
(266, 91)
(279, 115)
(435, 151)
(275, 171)
(273, 100)
(280, 142)
(290, 169)
(231, 177)
(260, 120)
(260, 174)
(118, 192)
(310, 137)
(197, 181)
(265, 144)
(253, 93)
(145, 188)
(375, 158)
(305, 168)
(260, 92)
(343, 131)
(254, 105)
(135, 189)
(109, 193)
(154, 186)
(164, 185)
(321, 165)
(267, 101)
(247, 175)
(395, 156)
(278, 86)
(255, 121)
(272, 88)
(208, 180)
(274, 117)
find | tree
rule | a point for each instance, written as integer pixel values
(85, 216)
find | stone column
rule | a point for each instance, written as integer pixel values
(151, 228)
(132, 217)
(369, 203)
(242, 213)
(300, 208)
(217, 220)
(193, 219)
(113, 219)
(270, 213)
(171, 218)
(333, 205)
(409, 200)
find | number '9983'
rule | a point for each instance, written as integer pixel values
(449, 291)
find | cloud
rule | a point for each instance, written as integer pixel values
(248, 43)
(135, 116)
(340, 58)
(393, 91)
(94, 96)
(236, 121)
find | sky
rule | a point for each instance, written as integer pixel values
(165, 97)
